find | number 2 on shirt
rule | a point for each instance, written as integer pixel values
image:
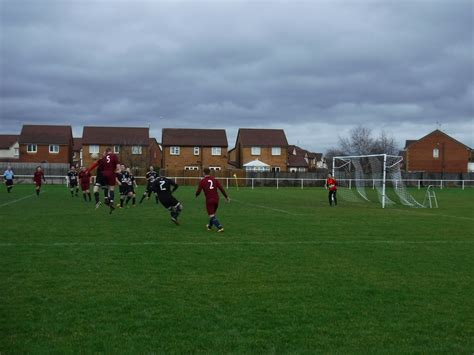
(162, 183)
(211, 184)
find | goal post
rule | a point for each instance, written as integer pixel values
(375, 170)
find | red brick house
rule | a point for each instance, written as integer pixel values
(267, 146)
(131, 144)
(9, 147)
(436, 152)
(46, 144)
(194, 149)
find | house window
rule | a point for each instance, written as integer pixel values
(216, 151)
(293, 170)
(94, 149)
(116, 149)
(174, 150)
(136, 149)
(215, 168)
(302, 169)
(17, 152)
(197, 150)
(191, 168)
(255, 151)
(54, 148)
(276, 151)
(276, 169)
(32, 148)
(436, 153)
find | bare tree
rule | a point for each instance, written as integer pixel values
(385, 144)
(361, 142)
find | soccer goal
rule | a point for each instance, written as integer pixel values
(361, 177)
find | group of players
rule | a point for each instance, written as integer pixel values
(111, 173)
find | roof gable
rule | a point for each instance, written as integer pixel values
(7, 140)
(437, 131)
(116, 135)
(262, 137)
(46, 134)
(194, 137)
(77, 144)
(297, 161)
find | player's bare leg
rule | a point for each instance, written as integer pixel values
(97, 196)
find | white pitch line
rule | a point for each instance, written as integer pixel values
(419, 213)
(307, 242)
(266, 207)
(17, 200)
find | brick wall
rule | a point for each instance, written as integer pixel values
(187, 158)
(42, 154)
(245, 154)
(453, 156)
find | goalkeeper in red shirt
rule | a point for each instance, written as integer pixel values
(331, 185)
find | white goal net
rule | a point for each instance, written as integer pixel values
(367, 177)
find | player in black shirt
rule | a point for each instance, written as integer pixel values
(131, 188)
(72, 181)
(123, 178)
(162, 187)
(150, 176)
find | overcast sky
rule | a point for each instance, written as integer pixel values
(314, 68)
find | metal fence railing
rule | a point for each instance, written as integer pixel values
(280, 182)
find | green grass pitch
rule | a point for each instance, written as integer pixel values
(288, 275)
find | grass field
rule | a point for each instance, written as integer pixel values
(288, 275)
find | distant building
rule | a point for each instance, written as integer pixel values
(267, 146)
(9, 147)
(436, 152)
(155, 153)
(301, 160)
(46, 144)
(131, 144)
(194, 149)
(77, 152)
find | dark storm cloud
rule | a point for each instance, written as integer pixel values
(306, 67)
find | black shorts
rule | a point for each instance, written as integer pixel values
(9, 182)
(72, 184)
(124, 189)
(150, 187)
(168, 201)
(100, 181)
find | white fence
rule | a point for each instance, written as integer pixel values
(278, 182)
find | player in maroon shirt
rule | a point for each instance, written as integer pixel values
(109, 164)
(210, 185)
(85, 181)
(37, 178)
(331, 185)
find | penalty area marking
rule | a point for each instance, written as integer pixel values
(17, 200)
(302, 242)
